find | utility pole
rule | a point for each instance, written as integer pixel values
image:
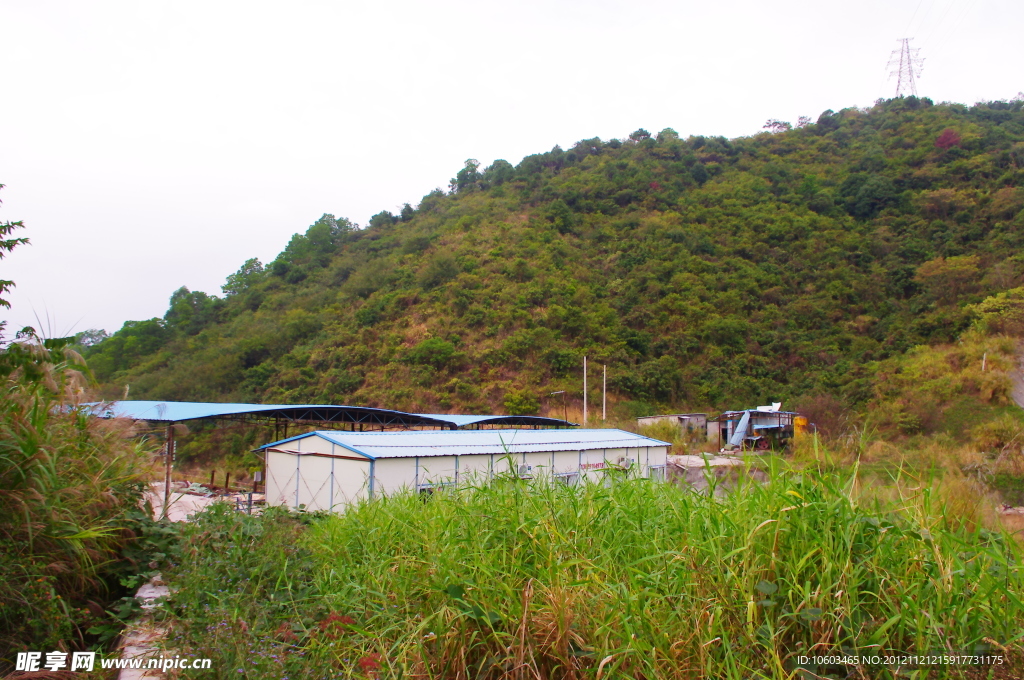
(584, 391)
(906, 67)
(604, 393)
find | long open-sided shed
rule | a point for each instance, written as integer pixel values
(280, 416)
(356, 417)
(329, 469)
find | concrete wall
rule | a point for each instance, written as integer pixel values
(685, 421)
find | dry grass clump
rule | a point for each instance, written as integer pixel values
(1013, 524)
(1004, 439)
(957, 476)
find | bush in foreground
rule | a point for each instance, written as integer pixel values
(70, 487)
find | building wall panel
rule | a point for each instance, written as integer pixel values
(566, 461)
(658, 456)
(351, 482)
(540, 461)
(392, 475)
(314, 483)
(500, 464)
(437, 469)
(612, 456)
(280, 482)
(474, 469)
(311, 443)
(593, 464)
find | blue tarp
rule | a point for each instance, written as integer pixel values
(741, 430)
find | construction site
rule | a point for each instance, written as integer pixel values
(327, 457)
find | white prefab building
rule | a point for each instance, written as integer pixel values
(329, 469)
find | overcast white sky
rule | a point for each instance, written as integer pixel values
(149, 145)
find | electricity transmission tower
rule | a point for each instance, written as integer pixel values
(906, 67)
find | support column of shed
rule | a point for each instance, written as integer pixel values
(169, 456)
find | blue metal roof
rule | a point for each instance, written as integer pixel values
(173, 411)
(462, 421)
(375, 445)
(177, 411)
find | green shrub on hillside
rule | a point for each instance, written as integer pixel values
(1003, 312)
(521, 403)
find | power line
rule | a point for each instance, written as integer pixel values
(924, 18)
(913, 16)
(938, 26)
(953, 30)
(907, 68)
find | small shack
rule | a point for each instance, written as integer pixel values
(762, 428)
(686, 422)
(330, 469)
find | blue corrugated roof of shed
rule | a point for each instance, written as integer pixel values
(177, 411)
(463, 420)
(174, 411)
(475, 442)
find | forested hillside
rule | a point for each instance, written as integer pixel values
(704, 272)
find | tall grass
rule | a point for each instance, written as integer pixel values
(69, 489)
(629, 579)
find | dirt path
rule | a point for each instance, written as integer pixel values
(142, 638)
(181, 506)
